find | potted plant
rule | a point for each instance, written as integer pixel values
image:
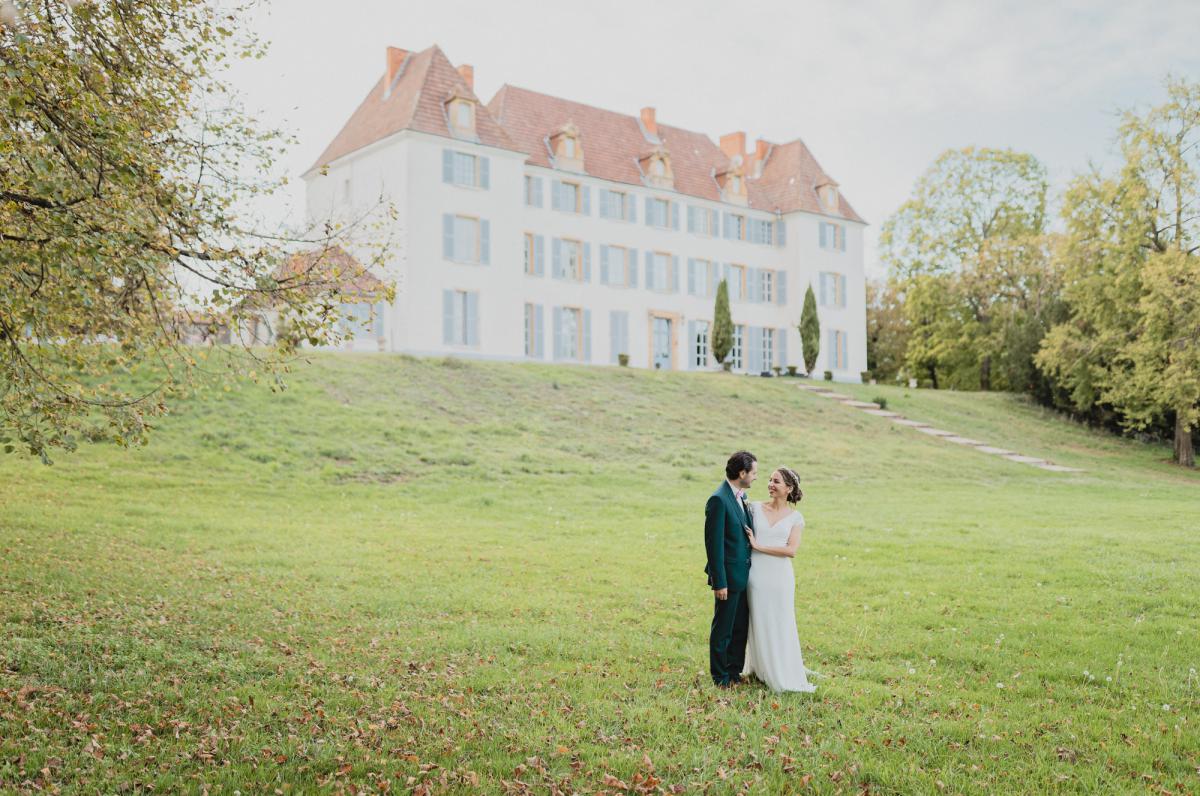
(829, 375)
(623, 360)
(791, 370)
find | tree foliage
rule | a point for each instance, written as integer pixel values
(1132, 260)
(810, 331)
(722, 328)
(124, 165)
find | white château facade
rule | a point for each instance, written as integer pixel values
(539, 229)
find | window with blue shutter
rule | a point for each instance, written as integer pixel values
(675, 273)
(587, 262)
(781, 288)
(485, 246)
(585, 200)
(781, 337)
(780, 233)
(753, 285)
(692, 274)
(649, 212)
(727, 222)
(555, 195)
(484, 168)
(633, 268)
(675, 215)
(587, 335)
(604, 203)
(556, 259)
(603, 263)
(752, 343)
(447, 166)
(618, 341)
(558, 333)
(692, 218)
(539, 255)
(689, 355)
(448, 324)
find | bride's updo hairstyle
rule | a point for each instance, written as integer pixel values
(795, 495)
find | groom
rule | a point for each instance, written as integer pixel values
(725, 516)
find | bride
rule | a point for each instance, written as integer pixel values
(773, 647)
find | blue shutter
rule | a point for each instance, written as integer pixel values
(587, 335)
(822, 293)
(780, 233)
(604, 207)
(557, 342)
(675, 273)
(841, 238)
(586, 199)
(691, 219)
(725, 219)
(713, 222)
(587, 262)
(555, 195)
(614, 336)
(539, 332)
(781, 288)
(633, 267)
(822, 227)
(485, 244)
(556, 266)
(651, 270)
(675, 215)
(472, 318)
(447, 166)
(603, 263)
(691, 274)
(753, 285)
(447, 316)
(649, 212)
(484, 167)
(537, 191)
(781, 337)
(630, 207)
(690, 352)
(448, 236)
(752, 349)
(539, 255)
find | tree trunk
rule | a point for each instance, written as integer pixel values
(1185, 453)
(985, 373)
(933, 375)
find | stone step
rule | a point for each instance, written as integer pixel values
(862, 404)
(881, 413)
(1016, 457)
(935, 432)
(904, 421)
(994, 451)
(964, 441)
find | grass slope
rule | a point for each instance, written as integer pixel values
(407, 574)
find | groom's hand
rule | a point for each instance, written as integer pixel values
(722, 594)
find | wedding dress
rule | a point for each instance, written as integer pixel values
(773, 646)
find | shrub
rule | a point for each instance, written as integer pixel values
(623, 360)
(866, 376)
(879, 399)
(829, 375)
(791, 370)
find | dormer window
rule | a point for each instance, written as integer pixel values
(565, 148)
(460, 114)
(656, 167)
(733, 184)
(827, 194)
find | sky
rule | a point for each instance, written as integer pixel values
(875, 89)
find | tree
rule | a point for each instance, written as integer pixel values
(810, 331)
(125, 167)
(887, 329)
(722, 328)
(1132, 261)
(967, 205)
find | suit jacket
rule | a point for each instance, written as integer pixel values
(725, 541)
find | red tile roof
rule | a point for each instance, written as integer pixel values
(521, 120)
(329, 270)
(415, 103)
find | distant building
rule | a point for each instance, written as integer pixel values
(538, 228)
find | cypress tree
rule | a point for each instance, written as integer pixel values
(810, 330)
(722, 328)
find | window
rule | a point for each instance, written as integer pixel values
(700, 345)
(462, 116)
(658, 271)
(571, 334)
(570, 197)
(833, 289)
(361, 321)
(767, 349)
(735, 353)
(464, 169)
(616, 205)
(659, 213)
(658, 168)
(615, 266)
(701, 281)
(766, 286)
(460, 317)
(533, 191)
(702, 220)
(533, 254)
(572, 259)
(835, 351)
(568, 147)
(761, 231)
(533, 330)
(465, 239)
(737, 283)
(833, 236)
(735, 226)
(735, 184)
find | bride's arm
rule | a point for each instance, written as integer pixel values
(787, 551)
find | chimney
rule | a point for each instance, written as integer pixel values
(468, 74)
(761, 148)
(395, 62)
(648, 122)
(733, 144)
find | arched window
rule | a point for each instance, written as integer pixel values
(658, 168)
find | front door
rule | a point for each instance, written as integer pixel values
(662, 343)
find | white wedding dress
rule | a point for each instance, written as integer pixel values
(773, 646)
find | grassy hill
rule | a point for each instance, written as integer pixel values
(405, 573)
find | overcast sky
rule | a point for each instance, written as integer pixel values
(875, 88)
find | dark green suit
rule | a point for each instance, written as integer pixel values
(728, 567)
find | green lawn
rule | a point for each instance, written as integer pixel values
(406, 573)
